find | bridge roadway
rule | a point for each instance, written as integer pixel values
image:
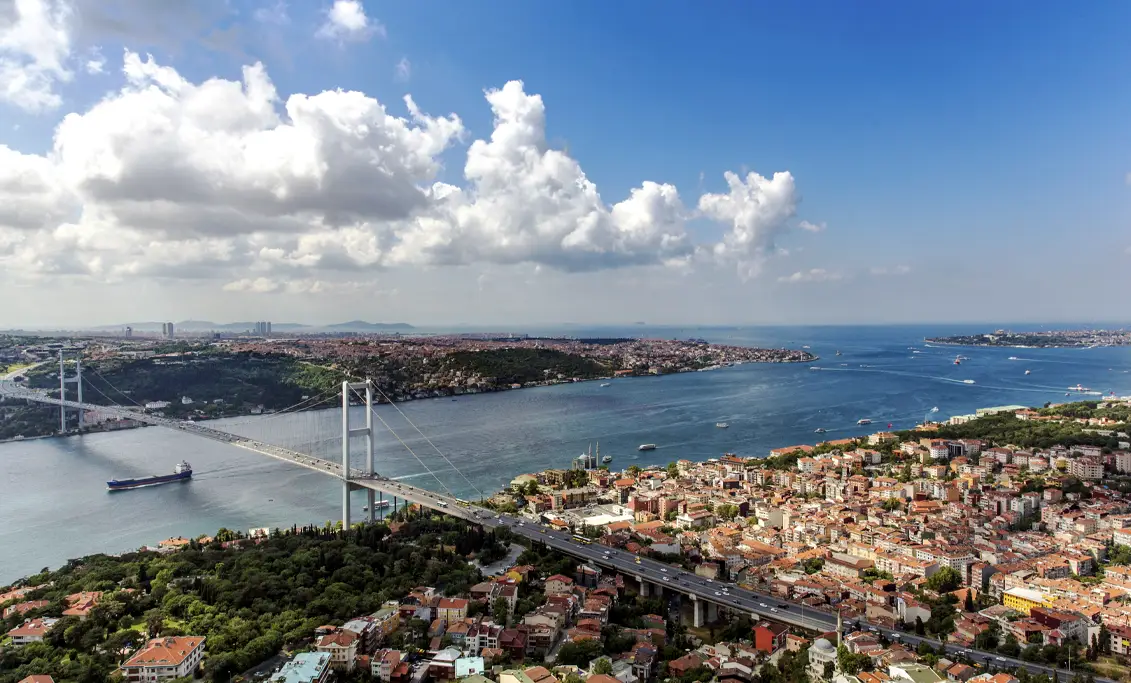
(645, 570)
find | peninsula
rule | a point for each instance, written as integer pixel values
(1047, 339)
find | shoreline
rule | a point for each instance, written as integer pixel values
(940, 342)
(449, 392)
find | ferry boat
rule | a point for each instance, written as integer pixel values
(379, 505)
(182, 472)
(646, 447)
(721, 425)
(864, 421)
(967, 381)
(607, 459)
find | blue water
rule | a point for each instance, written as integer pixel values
(54, 506)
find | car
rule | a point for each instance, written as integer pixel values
(638, 560)
(774, 610)
(761, 604)
(665, 578)
(709, 581)
(1000, 659)
(718, 594)
(663, 569)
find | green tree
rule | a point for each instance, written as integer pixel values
(673, 470)
(580, 653)
(945, 580)
(500, 611)
(603, 667)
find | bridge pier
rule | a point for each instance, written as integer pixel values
(696, 612)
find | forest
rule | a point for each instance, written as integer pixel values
(522, 365)
(249, 600)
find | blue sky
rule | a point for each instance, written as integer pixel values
(969, 161)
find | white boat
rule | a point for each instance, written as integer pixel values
(864, 421)
(607, 459)
(1028, 371)
(814, 367)
(721, 425)
(805, 347)
(646, 447)
(605, 384)
(967, 381)
(819, 430)
(1013, 358)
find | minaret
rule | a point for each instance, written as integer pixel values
(839, 629)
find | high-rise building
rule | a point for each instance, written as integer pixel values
(167, 330)
(262, 329)
(129, 332)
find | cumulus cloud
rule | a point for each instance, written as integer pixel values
(812, 275)
(95, 63)
(890, 270)
(811, 227)
(403, 70)
(226, 180)
(346, 20)
(757, 211)
(35, 43)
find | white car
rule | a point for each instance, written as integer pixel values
(761, 604)
(664, 569)
(665, 578)
(774, 610)
(718, 594)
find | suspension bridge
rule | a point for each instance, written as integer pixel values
(707, 596)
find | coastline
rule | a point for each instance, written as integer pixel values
(446, 392)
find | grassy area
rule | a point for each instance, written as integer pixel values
(1110, 667)
(16, 367)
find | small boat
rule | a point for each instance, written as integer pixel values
(721, 425)
(605, 384)
(646, 447)
(1014, 358)
(967, 381)
(814, 367)
(1028, 371)
(957, 362)
(607, 459)
(838, 352)
(805, 347)
(819, 430)
(864, 421)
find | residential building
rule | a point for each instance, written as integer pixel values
(342, 648)
(164, 659)
(306, 667)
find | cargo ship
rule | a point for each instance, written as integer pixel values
(182, 472)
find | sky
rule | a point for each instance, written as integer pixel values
(445, 163)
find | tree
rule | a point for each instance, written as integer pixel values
(603, 667)
(633, 470)
(580, 653)
(673, 470)
(969, 604)
(945, 580)
(500, 611)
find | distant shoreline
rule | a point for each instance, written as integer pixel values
(440, 394)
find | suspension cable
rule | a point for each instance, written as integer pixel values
(407, 447)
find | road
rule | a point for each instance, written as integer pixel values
(720, 593)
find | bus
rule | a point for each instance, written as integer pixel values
(581, 539)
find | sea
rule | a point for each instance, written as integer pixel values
(54, 504)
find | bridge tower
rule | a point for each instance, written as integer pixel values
(350, 431)
(63, 382)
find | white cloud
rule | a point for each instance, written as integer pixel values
(275, 13)
(225, 181)
(95, 63)
(35, 43)
(403, 70)
(890, 270)
(346, 20)
(811, 227)
(812, 275)
(757, 210)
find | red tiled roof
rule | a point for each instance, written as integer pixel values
(165, 652)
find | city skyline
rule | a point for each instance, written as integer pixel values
(481, 166)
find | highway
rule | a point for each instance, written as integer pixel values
(723, 594)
